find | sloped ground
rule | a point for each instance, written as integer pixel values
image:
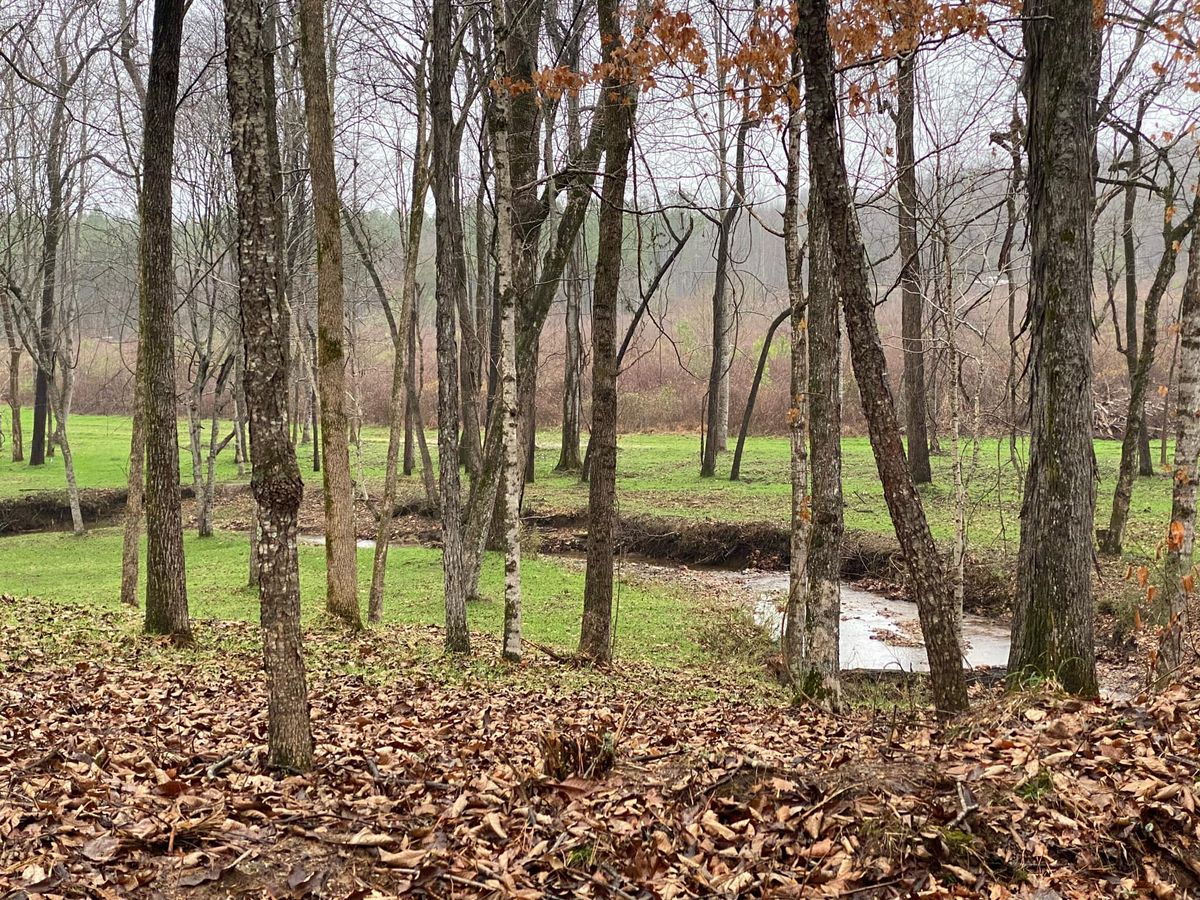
(130, 768)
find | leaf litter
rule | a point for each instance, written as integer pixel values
(132, 769)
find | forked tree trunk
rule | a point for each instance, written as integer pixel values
(912, 304)
(716, 417)
(831, 185)
(1054, 616)
(1178, 573)
(1139, 385)
(341, 553)
(451, 279)
(276, 482)
(166, 585)
(735, 470)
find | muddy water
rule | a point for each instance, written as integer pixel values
(878, 632)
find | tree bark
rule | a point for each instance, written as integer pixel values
(132, 532)
(166, 585)
(451, 280)
(1054, 619)
(820, 668)
(499, 128)
(1178, 573)
(341, 554)
(595, 639)
(17, 450)
(831, 185)
(716, 418)
(51, 237)
(912, 304)
(792, 641)
(569, 459)
(276, 481)
(735, 471)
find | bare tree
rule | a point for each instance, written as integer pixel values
(913, 305)
(595, 639)
(166, 586)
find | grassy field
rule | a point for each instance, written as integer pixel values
(656, 625)
(657, 475)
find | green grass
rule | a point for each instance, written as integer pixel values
(658, 475)
(655, 625)
(100, 447)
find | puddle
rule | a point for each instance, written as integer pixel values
(878, 632)
(318, 540)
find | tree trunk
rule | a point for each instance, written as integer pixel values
(341, 554)
(795, 617)
(276, 481)
(511, 480)
(735, 471)
(401, 342)
(414, 404)
(831, 185)
(716, 418)
(166, 585)
(820, 667)
(572, 403)
(132, 532)
(14, 381)
(1178, 574)
(1054, 619)
(451, 280)
(595, 639)
(51, 235)
(912, 304)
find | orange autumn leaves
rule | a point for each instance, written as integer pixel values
(1176, 535)
(660, 38)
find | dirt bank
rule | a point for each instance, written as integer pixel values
(870, 558)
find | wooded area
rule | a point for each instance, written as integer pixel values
(449, 308)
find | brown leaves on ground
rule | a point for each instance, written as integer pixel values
(123, 778)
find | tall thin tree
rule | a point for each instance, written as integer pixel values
(912, 314)
(451, 279)
(341, 554)
(595, 639)
(507, 302)
(276, 481)
(166, 584)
